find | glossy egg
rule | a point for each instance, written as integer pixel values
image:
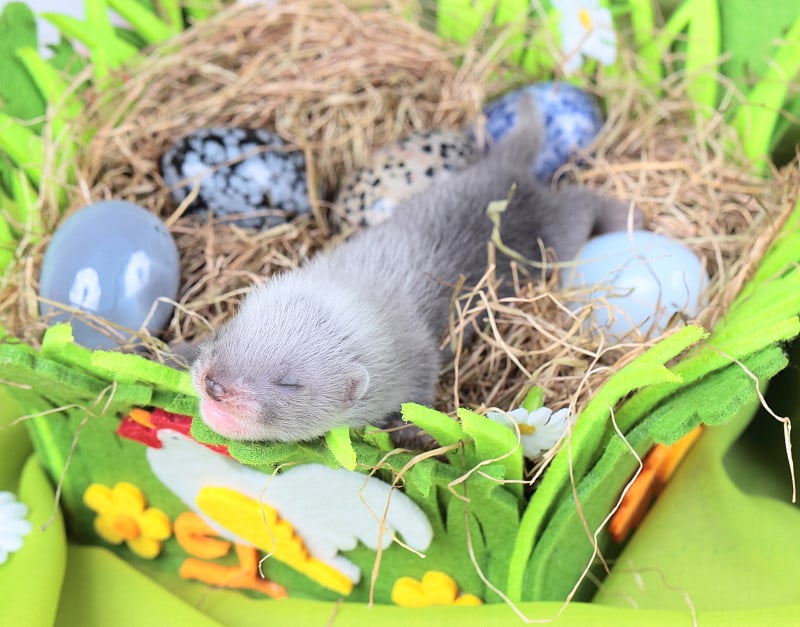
(241, 171)
(113, 259)
(571, 117)
(398, 170)
(638, 280)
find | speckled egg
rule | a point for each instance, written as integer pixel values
(571, 117)
(400, 169)
(112, 259)
(242, 171)
(637, 281)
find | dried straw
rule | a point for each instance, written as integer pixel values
(337, 82)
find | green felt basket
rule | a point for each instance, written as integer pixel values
(719, 545)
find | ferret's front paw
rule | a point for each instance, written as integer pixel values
(407, 435)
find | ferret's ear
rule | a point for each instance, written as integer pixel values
(356, 384)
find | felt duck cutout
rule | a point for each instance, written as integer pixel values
(304, 516)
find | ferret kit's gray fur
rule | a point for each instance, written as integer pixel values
(352, 334)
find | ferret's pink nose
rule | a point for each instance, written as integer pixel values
(214, 389)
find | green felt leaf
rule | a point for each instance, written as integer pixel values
(703, 50)
(533, 400)
(494, 441)
(591, 428)
(8, 243)
(54, 88)
(107, 50)
(756, 120)
(65, 58)
(176, 403)
(715, 398)
(19, 96)
(564, 547)
(782, 254)
(146, 23)
(439, 425)
(338, 441)
(22, 145)
(707, 538)
(26, 206)
(128, 367)
(706, 360)
(58, 344)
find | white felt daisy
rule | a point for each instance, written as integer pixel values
(587, 30)
(540, 430)
(13, 526)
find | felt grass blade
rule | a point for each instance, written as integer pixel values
(7, 245)
(703, 50)
(148, 25)
(654, 47)
(197, 10)
(782, 255)
(444, 429)
(590, 429)
(172, 10)
(494, 441)
(58, 343)
(757, 118)
(52, 87)
(338, 441)
(22, 145)
(643, 24)
(533, 400)
(26, 205)
(108, 51)
(126, 367)
(713, 401)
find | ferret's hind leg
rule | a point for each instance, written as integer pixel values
(610, 214)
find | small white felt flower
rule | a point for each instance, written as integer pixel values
(540, 430)
(587, 30)
(13, 526)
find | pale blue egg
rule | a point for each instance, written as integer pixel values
(637, 280)
(571, 117)
(113, 259)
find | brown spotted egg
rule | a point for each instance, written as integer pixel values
(398, 170)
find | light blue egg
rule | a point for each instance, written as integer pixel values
(572, 119)
(113, 259)
(641, 280)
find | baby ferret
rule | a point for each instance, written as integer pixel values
(352, 334)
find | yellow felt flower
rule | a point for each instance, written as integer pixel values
(123, 516)
(435, 588)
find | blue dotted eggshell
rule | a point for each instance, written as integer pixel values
(572, 119)
(645, 278)
(113, 259)
(238, 176)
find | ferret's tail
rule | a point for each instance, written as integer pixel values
(520, 148)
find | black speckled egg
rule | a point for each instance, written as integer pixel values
(396, 171)
(238, 175)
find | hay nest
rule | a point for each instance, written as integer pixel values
(336, 82)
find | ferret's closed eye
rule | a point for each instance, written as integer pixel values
(289, 384)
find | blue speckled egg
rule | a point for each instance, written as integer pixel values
(572, 119)
(112, 259)
(238, 175)
(400, 169)
(637, 280)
